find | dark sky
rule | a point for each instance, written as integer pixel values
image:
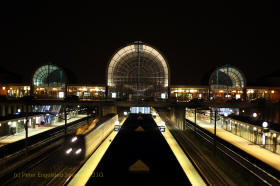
(195, 38)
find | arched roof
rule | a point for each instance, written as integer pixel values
(49, 75)
(227, 77)
(150, 56)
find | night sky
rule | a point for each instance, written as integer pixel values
(195, 38)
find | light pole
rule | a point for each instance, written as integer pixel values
(65, 119)
(195, 119)
(215, 122)
(26, 133)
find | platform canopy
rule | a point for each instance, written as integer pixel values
(138, 67)
(227, 77)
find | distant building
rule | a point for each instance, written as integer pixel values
(139, 70)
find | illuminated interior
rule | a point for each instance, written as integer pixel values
(14, 90)
(87, 91)
(268, 93)
(138, 69)
(182, 93)
(49, 81)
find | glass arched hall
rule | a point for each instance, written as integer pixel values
(49, 81)
(138, 70)
(227, 82)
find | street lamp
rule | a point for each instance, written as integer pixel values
(255, 115)
(264, 124)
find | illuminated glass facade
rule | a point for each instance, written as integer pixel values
(49, 81)
(227, 82)
(137, 70)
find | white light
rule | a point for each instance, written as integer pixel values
(117, 122)
(69, 150)
(255, 128)
(154, 113)
(74, 139)
(255, 115)
(78, 106)
(114, 94)
(9, 123)
(226, 114)
(274, 135)
(162, 123)
(0, 124)
(263, 139)
(61, 94)
(163, 96)
(265, 124)
(78, 151)
(125, 113)
(18, 110)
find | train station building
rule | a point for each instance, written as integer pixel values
(139, 70)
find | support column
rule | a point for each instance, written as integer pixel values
(14, 109)
(9, 109)
(177, 116)
(3, 112)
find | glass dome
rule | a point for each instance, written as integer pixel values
(138, 68)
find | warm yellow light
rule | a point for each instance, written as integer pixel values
(54, 88)
(234, 91)
(250, 91)
(4, 88)
(192, 90)
(42, 88)
(265, 92)
(221, 91)
(272, 92)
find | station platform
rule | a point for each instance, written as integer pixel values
(138, 155)
(34, 131)
(256, 151)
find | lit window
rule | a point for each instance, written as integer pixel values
(61, 94)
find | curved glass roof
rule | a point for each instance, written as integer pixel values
(227, 77)
(138, 64)
(49, 76)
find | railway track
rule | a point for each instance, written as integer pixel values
(49, 168)
(211, 174)
(262, 175)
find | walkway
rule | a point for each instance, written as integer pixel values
(33, 131)
(139, 155)
(258, 152)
